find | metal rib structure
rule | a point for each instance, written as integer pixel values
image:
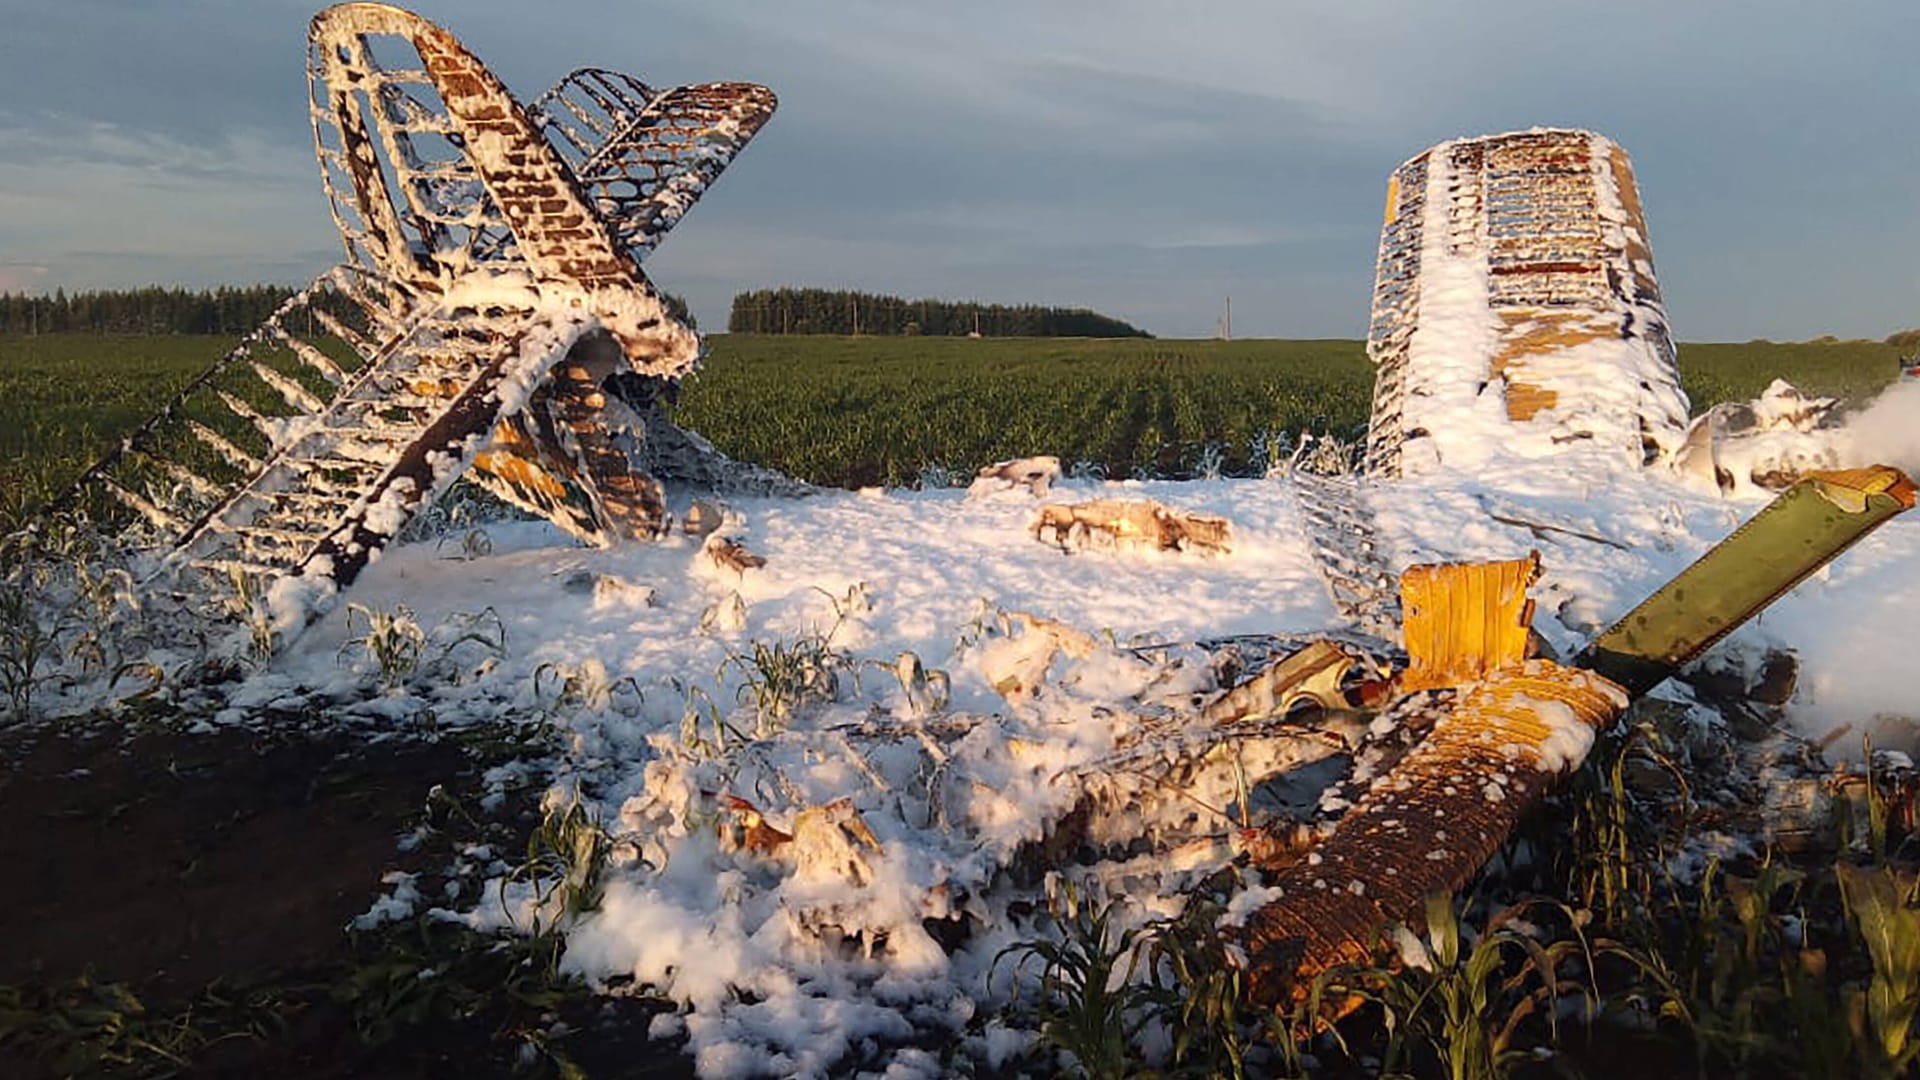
(1518, 265)
(643, 157)
(479, 254)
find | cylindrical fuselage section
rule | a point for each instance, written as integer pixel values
(1515, 301)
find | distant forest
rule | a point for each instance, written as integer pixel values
(228, 310)
(152, 310)
(843, 311)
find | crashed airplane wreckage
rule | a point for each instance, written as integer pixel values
(491, 320)
(1387, 774)
(1510, 725)
(1512, 270)
(1515, 278)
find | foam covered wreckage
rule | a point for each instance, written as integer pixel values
(1131, 522)
(490, 320)
(1384, 776)
(1033, 476)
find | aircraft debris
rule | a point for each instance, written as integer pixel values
(1132, 522)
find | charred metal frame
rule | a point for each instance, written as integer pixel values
(1550, 222)
(467, 220)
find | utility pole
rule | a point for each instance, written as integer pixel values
(1229, 318)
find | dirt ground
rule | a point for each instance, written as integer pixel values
(198, 867)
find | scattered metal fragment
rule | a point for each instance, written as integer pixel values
(608, 588)
(1132, 521)
(1496, 510)
(1315, 674)
(747, 829)
(1033, 474)
(833, 842)
(1016, 660)
(727, 614)
(1767, 443)
(730, 554)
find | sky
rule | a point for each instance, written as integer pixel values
(1145, 159)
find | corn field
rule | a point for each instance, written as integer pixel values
(857, 411)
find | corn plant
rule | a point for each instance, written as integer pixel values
(937, 476)
(587, 685)
(248, 607)
(780, 678)
(1211, 463)
(703, 730)
(393, 639)
(459, 516)
(726, 614)
(468, 545)
(1467, 1000)
(566, 857)
(87, 1027)
(1201, 992)
(25, 647)
(1881, 811)
(1327, 455)
(1703, 959)
(1089, 1004)
(1820, 1022)
(461, 637)
(1269, 451)
(1083, 471)
(1604, 871)
(927, 691)
(62, 601)
(1881, 904)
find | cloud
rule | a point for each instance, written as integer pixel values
(96, 204)
(1119, 153)
(21, 277)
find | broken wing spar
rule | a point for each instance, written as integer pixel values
(1791, 538)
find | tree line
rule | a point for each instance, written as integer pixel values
(790, 310)
(229, 310)
(155, 309)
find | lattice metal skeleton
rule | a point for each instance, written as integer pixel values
(1546, 227)
(492, 250)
